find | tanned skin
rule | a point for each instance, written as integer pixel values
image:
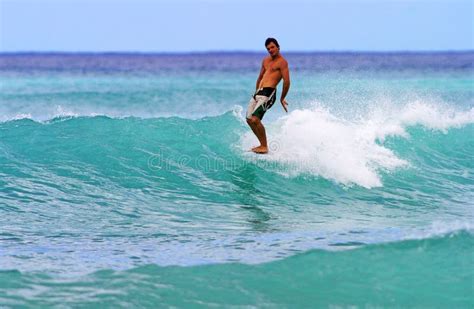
(274, 69)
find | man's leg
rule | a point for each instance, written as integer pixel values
(251, 124)
(250, 110)
(259, 130)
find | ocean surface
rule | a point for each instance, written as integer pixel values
(126, 181)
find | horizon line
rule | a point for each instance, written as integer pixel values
(114, 52)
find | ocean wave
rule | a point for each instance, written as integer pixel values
(311, 141)
(422, 273)
(350, 151)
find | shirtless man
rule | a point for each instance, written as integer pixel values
(274, 68)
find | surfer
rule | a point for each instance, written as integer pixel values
(274, 68)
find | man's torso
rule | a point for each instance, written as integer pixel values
(272, 75)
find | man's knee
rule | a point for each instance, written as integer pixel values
(253, 120)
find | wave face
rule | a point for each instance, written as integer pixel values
(416, 273)
(131, 181)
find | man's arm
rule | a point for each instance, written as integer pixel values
(259, 79)
(285, 73)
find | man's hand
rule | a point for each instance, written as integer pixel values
(284, 104)
(285, 73)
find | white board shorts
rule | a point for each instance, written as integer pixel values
(260, 102)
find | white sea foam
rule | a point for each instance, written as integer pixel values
(16, 117)
(349, 151)
(62, 112)
(386, 120)
(57, 111)
(440, 228)
(48, 113)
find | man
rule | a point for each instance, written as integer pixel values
(274, 68)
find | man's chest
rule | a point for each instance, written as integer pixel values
(272, 66)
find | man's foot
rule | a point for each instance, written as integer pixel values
(260, 149)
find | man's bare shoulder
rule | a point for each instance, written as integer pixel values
(266, 59)
(283, 61)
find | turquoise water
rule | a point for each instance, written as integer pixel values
(416, 273)
(130, 183)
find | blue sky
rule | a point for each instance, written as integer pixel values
(186, 25)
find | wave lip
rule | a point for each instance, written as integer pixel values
(350, 151)
(316, 142)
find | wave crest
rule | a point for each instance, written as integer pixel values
(349, 151)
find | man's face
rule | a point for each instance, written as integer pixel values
(272, 49)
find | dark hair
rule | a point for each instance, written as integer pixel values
(271, 40)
